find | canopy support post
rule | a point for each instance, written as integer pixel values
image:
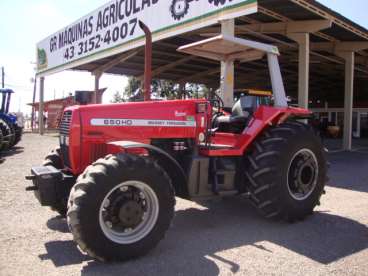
(41, 121)
(227, 68)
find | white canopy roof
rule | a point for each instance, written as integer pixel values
(224, 47)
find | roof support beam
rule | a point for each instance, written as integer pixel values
(285, 19)
(340, 46)
(168, 66)
(309, 5)
(123, 57)
(305, 26)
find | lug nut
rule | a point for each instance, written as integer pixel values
(124, 189)
(107, 203)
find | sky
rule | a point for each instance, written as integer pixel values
(26, 22)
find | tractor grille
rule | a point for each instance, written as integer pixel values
(65, 123)
(64, 130)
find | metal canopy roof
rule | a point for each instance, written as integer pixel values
(326, 68)
(223, 48)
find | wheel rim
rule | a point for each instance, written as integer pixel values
(129, 212)
(302, 174)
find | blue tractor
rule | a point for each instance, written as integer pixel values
(10, 130)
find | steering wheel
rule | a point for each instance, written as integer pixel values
(217, 108)
(217, 104)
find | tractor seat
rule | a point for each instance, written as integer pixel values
(241, 112)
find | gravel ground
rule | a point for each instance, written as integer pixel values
(222, 237)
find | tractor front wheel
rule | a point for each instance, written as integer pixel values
(18, 132)
(286, 172)
(8, 135)
(120, 207)
(1, 139)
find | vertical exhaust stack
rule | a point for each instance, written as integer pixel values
(148, 62)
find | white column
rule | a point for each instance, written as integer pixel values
(227, 68)
(336, 118)
(41, 122)
(348, 102)
(358, 125)
(97, 87)
(303, 68)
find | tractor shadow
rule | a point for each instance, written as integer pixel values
(348, 170)
(63, 253)
(10, 152)
(58, 223)
(195, 241)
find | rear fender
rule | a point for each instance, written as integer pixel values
(166, 161)
(266, 117)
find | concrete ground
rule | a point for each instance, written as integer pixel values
(335, 145)
(225, 237)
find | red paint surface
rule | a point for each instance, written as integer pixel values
(87, 140)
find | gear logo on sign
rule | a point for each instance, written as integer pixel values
(218, 2)
(179, 8)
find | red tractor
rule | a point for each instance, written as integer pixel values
(120, 166)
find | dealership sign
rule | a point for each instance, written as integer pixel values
(114, 28)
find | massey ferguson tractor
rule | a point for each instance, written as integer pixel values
(120, 166)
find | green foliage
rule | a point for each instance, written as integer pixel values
(165, 89)
(132, 86)
(117, 98)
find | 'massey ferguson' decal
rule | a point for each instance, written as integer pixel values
(142, 122)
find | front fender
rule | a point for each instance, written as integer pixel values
(166, 161)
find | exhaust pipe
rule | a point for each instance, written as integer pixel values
(147, 62)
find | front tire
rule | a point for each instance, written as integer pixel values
(286, 172)
(1, 140)
(120, 207)
(18, 132)
(8, 135)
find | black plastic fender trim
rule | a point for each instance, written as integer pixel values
(181, 189)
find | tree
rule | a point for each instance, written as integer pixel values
(117, 98)
(133, 85)
(164, 89)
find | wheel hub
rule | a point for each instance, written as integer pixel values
(302, 174)
(131, 214)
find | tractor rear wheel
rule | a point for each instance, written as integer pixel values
(54, 159)
(120, 207)
(286, 172)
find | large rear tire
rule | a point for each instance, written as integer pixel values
(54, 159)
(286, 172)
(120, 207)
